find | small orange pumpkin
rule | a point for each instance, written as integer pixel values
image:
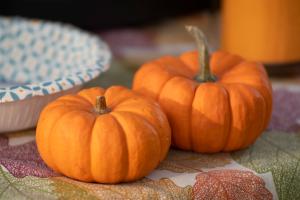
(220, 111)
(92, 142)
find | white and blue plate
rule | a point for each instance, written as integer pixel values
(40, 61)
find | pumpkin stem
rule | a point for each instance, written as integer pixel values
(205, 74)
(101, 107)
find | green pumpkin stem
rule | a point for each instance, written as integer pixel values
(101, 107)
(205, 74)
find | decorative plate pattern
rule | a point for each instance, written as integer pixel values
(41, 58)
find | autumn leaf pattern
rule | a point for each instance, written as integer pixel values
(230, 184)
(24, 188)
(185, 161)
(142, 189)
(278, 153)
(23, 160)
(31, 187)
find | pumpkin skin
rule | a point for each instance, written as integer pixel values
(123, 144)
(225, 115)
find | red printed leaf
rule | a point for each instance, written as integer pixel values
(23, 160)
(230, 184)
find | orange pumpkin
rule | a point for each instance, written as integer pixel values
(92, 142)
(225, 107)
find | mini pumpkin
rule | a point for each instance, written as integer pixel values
(119, 137)
(222, 106)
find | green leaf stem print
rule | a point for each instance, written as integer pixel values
(30, 187)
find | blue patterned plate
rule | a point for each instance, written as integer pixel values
(39, 59)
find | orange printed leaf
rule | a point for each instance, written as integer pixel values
(230, 184)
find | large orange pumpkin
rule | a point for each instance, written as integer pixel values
(225, 107)
(120, 141)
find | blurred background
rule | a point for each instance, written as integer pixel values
(140, 30)
(95, 15)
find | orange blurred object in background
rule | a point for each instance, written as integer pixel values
(263, 30)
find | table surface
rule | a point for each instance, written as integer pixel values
(268, 169)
